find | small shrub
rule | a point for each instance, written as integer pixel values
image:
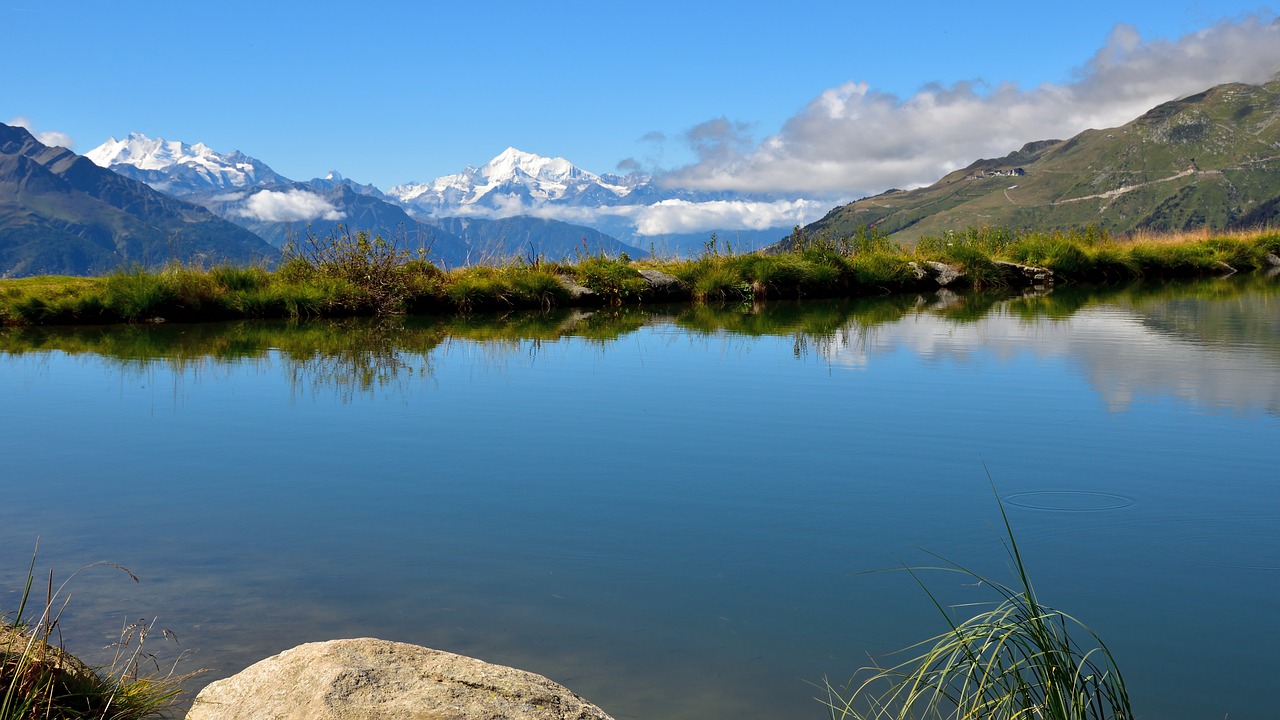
(368, 262)
(239, 279)
(136, 294)
(721, 284)
(615, 281)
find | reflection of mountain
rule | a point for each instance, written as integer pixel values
(1218, 353)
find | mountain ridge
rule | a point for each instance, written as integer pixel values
(60, 213)
(1211, 159)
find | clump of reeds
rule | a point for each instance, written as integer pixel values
(1019, 659)
(40, 680)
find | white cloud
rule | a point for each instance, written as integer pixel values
(855, 140)
(51, 138)
(668, 216)
(288, 206)
(680, 216)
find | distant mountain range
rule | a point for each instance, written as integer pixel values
(62, 214)
(1208, 160)
(246, 191)
(513, 184)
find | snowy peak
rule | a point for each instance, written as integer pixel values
(180, 169)
(144, 153)
(515, 174)
(512, 163)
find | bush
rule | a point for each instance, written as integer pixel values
(370, 263)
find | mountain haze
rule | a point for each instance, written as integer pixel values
(1208, 160)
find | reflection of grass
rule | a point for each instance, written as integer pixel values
(1019, 659)
(41, 681)
(371, 352)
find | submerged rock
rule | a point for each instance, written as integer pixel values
(368, 678)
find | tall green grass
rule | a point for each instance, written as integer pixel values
(359, 274)
(1018, 659)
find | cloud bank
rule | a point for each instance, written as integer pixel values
(854, 140)
(667, 217)
(288, 206)
(681, 216)
(52, 138)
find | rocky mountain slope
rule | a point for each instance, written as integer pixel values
(62, 214)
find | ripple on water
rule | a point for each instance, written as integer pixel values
(1069, 500)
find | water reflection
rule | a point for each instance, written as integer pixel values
(660, 506)
(1201, 342)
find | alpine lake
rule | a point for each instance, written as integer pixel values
(670, 510)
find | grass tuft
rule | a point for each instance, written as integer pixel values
(1020, 659)
(40, 680)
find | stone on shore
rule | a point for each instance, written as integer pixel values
(368, 678)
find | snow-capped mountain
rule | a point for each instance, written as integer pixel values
(179, 169)
(515, 180)
(634, 208)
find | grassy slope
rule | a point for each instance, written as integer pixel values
(1209, 160)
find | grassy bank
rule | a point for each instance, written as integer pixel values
(366, 275)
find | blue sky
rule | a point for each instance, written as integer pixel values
(839, 98)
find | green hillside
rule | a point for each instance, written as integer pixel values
(1208, 160)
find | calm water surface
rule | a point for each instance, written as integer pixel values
(666, 510)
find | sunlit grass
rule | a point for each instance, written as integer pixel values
(355, 274)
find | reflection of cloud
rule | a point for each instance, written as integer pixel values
(852, 138)
(288, 206)
(1117, 349)
(52, 138)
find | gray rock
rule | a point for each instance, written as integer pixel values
(664, 287)
(940, 273)
(1272, 259)
(578, 293)
(1024, 275)
(368, 678)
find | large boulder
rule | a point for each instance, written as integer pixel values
(368, 678)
